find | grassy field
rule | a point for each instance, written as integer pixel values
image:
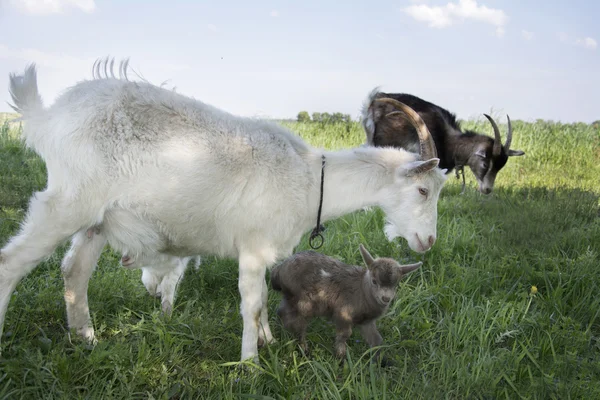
(506, 305)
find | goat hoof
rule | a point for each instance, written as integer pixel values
(386, 362)
(305, 350)
(245, 371)
(87, 334)
(167, 309)
(265, 340)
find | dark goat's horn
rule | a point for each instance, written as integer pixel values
(497, 141)
(427, 145)
(508, 136)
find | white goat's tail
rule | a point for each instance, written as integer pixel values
(367, 118)
(24, 92)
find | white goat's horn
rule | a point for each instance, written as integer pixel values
(427, 145)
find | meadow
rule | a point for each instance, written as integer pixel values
(506, 305)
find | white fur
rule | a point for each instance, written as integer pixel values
(161, 275)
(157, 173)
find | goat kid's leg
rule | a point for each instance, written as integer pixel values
(251, 280)
(299, 326)
(373, 338)
(77, 268)
(50, 221)
(294, 322)
(343, 333)
(264, 334)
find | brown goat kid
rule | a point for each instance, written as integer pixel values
(316, 285)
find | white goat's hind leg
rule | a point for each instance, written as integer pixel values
(264, 333)
(50, 221)
(197, 262)
(251, 278)
(168, 285)
(77, 268)
(151, 279)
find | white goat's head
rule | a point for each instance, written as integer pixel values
(410, 203)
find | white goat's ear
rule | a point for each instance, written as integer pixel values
(512, 153)
(420, 167)
(405, 269)
(367, 258)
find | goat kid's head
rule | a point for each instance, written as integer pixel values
(411, 203)
(385, 275)
(490, 157)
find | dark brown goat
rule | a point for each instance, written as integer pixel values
(386, 125)
(316, 285)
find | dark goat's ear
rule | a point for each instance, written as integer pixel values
(420, 167)
(512, 153)
(367, 258)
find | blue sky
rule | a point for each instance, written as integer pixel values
(530, 59)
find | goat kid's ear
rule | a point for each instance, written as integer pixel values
(512, 153)
(367, 258)
(419, 167)
(405, 269)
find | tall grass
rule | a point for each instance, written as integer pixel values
(506, 305)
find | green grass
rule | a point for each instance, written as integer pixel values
(465, 326)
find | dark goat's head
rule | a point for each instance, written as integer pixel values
(489, 157)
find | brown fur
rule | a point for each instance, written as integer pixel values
(316, 285)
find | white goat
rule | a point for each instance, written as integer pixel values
(155, 172)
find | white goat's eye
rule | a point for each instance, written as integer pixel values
(374, 282)
(423, 191)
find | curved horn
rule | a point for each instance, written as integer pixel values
(497, 141)
(508, 136)
(427, 145)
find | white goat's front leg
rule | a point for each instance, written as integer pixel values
(77, 268)
(264, 333)
(250, 283)
(50, 221)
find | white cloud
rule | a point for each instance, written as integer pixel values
(211, 27)
(41, 7)
(587, 42)
(443, 17)
(563, 37)
(527, 35)
(274, 13)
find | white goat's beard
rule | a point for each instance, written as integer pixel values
(390, 231)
